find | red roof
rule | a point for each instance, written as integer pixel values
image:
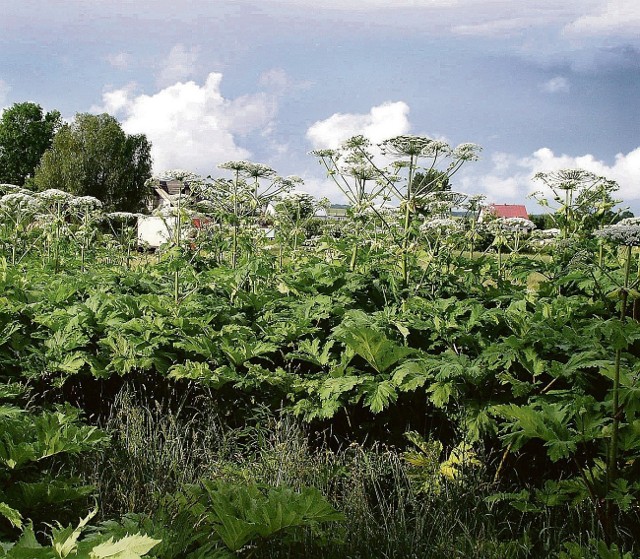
(509, 210)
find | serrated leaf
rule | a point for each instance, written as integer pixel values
(129, 547)
(373, 346)
(12, 515)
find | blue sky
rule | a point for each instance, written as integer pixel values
(539, 84)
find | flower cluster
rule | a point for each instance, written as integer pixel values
(85, 203)
(407, 145)
(54, 195)
(621, 234)
(514, 224)
(443, 225)
(122, 216)
(17, 201)
(544, 234)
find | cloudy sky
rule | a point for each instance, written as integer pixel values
(539, 84)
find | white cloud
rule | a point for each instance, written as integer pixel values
(510, 179)
(115, 100)
(367, 5)
(618, 17)
(558, 84)
(323, 188)
(179, 65)
(380, 123)
(191, 126)
(277, 80)
(120, 60)
(500, 27)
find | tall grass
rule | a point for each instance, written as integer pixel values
(159, 448)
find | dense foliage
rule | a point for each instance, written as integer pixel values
(93, 156)
(26, 131)
(400, 383)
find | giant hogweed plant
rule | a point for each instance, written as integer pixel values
(365, 181)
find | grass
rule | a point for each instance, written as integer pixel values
(159, 448)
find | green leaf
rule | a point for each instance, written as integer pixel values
(380, 352)
(12, 515)
(380, 395)
(129, 547)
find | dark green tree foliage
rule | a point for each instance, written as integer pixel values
(433, 179)
(93, 156)
(25, 133)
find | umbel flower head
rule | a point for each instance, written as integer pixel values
(442, 225)
(513, 225)
(53, 195)
(407, 145)
(17, 201)
(621, 234)
(85, 203)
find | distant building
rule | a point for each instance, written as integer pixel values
(503, 210)
(161, 194)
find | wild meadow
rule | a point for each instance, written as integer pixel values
(401, 382)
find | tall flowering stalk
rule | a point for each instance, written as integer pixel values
(576, 196)
(247, 194)
(509, 232)
(17, 210)
(627, 236)
(473, 205)
(420, 166)
(55, 205)
(351, 169)
(87, 210)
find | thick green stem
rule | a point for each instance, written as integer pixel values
(407, 224)
(612, 463)
(613, 451)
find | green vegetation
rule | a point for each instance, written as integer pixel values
(396, 383)
(93, 156)
(25, 133)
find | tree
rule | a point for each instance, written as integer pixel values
(431, 180)
(93, 156)
(25, 133)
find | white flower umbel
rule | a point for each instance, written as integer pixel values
(85, 203)
(12, 188)
(621, 234)
(53, 195)
(443, 225)
(514, 224)
(629, 221)
(18, 201)
(121, 216)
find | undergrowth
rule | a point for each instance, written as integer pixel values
(159, 449)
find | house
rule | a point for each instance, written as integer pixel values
(163, 192)
(155, 230)
(503, 210)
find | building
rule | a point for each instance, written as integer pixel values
(503, 210)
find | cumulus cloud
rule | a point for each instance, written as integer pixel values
(619, 17)
(558, 84)
(381, 122)
(190, 126)
(120, 60)
(179, 65)
(323, 188)
(510, 179)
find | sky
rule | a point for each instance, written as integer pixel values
(539, 84)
